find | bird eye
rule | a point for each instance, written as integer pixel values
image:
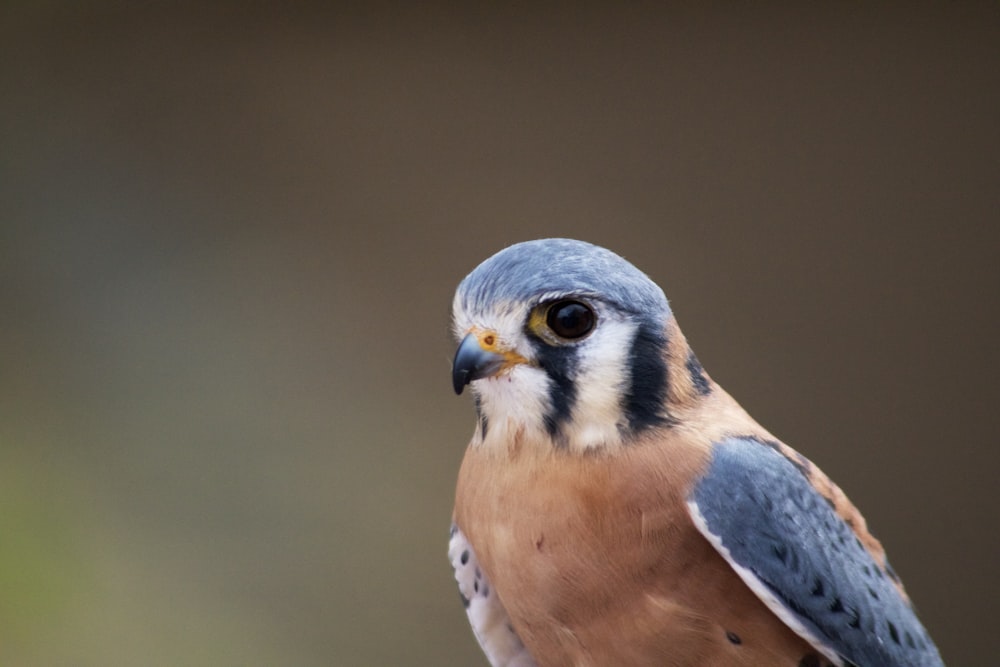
(570, 319)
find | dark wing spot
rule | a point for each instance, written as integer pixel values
(853, 617)
(733, 638)
(893, 632)
(465, 557)
(465, 600)
(810, 660)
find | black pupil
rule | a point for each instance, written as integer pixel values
(570, 319)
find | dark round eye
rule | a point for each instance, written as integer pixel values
(570, 319)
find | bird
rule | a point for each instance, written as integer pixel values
(615, 506)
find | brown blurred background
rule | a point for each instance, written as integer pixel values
(230, 236)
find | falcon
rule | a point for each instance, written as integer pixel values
(615, 506)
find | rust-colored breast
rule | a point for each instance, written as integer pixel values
(598, 563)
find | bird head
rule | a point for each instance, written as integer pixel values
(565, 339)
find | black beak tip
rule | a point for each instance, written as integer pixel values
(459, 378)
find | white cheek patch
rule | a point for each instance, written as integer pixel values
(601, 375)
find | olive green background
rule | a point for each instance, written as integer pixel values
(229, 236)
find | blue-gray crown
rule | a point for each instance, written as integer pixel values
(525, 271)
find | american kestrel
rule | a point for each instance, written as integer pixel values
(617, 507)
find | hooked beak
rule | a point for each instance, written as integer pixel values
(477, 358)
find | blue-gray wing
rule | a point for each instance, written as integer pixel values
(801, 559)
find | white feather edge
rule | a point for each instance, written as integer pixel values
(487, 616)
(760, 590)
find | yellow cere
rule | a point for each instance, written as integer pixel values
(490, 342)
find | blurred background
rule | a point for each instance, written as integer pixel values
(229, 236)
